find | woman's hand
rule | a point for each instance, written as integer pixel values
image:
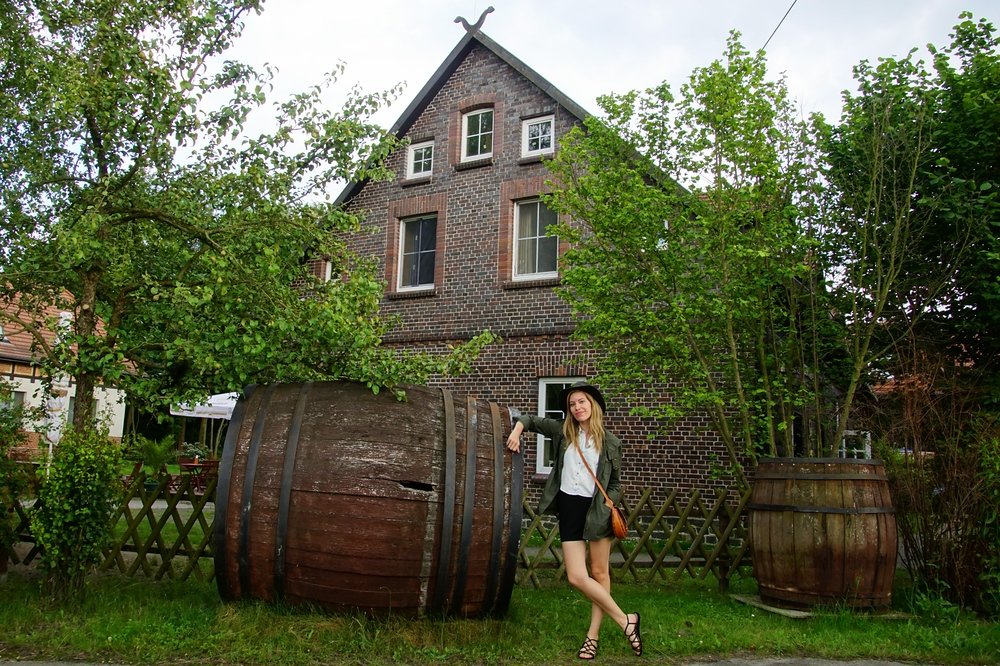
(514, 439)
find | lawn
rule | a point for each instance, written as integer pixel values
(136, 621)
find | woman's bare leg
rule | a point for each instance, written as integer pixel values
(600, 557)
(575, 557)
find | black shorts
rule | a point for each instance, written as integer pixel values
(572, 516)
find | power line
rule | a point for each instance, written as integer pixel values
(779, 25)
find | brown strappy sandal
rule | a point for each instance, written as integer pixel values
(588, 652)
(634, 638)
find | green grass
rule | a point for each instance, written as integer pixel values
(135, 621)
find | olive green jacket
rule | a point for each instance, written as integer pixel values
(598, 523)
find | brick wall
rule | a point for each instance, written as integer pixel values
(473, 288)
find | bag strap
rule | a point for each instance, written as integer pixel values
(576, 445)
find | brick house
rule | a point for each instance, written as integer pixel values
(464, 240)
(27, 381)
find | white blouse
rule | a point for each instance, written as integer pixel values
(576, 480)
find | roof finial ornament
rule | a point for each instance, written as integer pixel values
(478, 24)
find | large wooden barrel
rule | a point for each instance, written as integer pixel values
(823, 533)
(333, 496)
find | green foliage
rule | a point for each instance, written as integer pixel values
(768, 269)
(989, 577)
(134, 195)
(914, 164)
(913, 167)
(945, 489)
(13, 478)
(154, 454)
(967, 182)
(699, 259)
(76, 502)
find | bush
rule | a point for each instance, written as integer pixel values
(946, 491)
(989, 462)
(76, 504)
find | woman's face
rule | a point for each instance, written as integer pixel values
(579, 406)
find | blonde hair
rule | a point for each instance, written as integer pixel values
(571, 427)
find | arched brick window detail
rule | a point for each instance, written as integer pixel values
(512, 192)
(457, 125)
(413, 208)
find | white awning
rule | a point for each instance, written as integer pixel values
(218, 406)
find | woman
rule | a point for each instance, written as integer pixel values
(584, 515)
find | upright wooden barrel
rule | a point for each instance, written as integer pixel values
(332, 496)
(823, 533)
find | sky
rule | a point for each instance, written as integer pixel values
(587, 48)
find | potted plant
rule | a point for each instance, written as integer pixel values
(155, 457)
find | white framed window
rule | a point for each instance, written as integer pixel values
(71, 409)
(420, 159)
(549, 406)
(15, 400)
(417, 250)
(537, 136)
(857, 444)
(536, 247)
(477, 135)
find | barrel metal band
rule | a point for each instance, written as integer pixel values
(220, 543)
(468, 501)
(448, 513)
(821, 509)
(253, 453)
(285, 493)
(498, 510)
(514, 535)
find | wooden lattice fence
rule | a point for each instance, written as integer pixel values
(163, 529)
(164, 526)
(698, 537)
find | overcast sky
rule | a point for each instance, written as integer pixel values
(590, 47)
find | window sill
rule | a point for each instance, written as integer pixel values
(531, 284)
(411, 293)
(474, 164)
(533, 159)
(416, 180)
(540, 477)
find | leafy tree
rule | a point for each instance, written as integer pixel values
(951, 114)
(968, 76)
(915, 155)
(134, 195)
(697, 259)
(761, 265)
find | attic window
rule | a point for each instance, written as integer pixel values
(477, 135)
(537, 136)
(420, 159)
(3, 336)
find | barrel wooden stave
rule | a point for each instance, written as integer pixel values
(367, 502)
(817, 539)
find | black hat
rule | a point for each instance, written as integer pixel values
(589, 389)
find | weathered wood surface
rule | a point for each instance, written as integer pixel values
(823, 532)
(333, 496)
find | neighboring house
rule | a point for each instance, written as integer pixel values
(19, 369)
(468, 245)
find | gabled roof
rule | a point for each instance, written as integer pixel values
(444, 72)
